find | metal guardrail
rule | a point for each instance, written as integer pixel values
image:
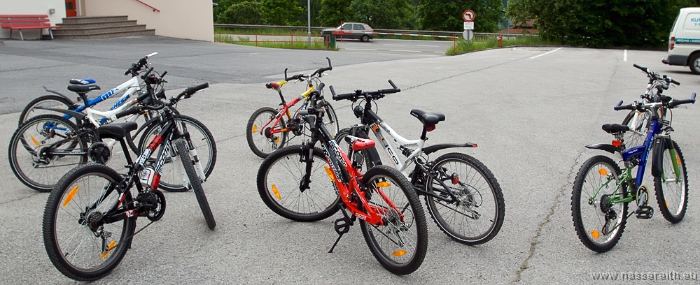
(381, 31)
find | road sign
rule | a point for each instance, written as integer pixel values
(468, 25)
(468, 35)
(468, 16)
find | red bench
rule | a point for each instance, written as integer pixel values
(26, 22)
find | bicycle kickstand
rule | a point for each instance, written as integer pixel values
(342, 225)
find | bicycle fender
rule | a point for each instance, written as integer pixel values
(434, 148)
(606, 147)
(657, 160)
(79, 116)
(64, 96)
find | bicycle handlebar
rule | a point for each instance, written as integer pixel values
(319, 72)
(135, 67)
(366, 94)
(626, 107)
(675, 103)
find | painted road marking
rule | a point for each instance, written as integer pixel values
(546, 53)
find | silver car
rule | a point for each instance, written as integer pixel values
(352, 30)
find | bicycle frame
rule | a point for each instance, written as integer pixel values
(284, 111)
(130, 85)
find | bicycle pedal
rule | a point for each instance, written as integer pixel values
(645, 212)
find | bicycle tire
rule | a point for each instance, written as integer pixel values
(330, 120)
(203, 141)
(31, 138)
(196, 184)
(73, 258)
(44, 101)
(599, 168)
(638, 129)
(662, 192)
(370, 155)
(393, 254)
(257, 141)
(466, 221)
(288, 200)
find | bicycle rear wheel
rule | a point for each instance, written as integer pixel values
(77, 243)
(477, 214)
(45, 101)
(263, 142)
(34, 151)
(279, 180)
(401, 243)
(672, 186)
(598, 223)
(196, 184)
(201, 138)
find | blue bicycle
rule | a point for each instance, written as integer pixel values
(602, 190)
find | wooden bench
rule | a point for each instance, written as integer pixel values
(26, 22)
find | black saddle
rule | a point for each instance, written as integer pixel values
(615, 128)
(82, 89)
(428, 118)
(116, 130)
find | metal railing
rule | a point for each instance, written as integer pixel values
(149, 6)
(380, 31)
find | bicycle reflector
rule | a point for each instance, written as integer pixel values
(400, 252)
(383, 184)
(70, 196)
(430, 128)
(617, 143)
(603, 172)
(455, 178)
(277, 193)
(595, 234)
(328, 171)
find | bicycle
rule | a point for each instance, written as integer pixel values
(57, 100)
(602, 190)
(90, 216)
(267, 130)
(389, 212)
(46, 146)
(462, 195)
(639, 121)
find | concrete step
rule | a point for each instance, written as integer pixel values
(107, 35)
(90, 31)
(96, 19)
(98, 24)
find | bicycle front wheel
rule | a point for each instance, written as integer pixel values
(598, 222)
(201, 138)
(638, 122)
(476, 214)
(330, 120)
(78, 243)
(43, 149)
(46, 101)
(262, 141)
(279, 184)
(672, 186)
(183, 153)
(401, 243)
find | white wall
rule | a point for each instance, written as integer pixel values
(186, 19)
(33, 7)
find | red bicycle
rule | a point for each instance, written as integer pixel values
(291, 182)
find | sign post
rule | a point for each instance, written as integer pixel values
(468, 34)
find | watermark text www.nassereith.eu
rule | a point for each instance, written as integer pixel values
(636, 276)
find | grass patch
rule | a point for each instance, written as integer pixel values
(483, 43)
(288, 42)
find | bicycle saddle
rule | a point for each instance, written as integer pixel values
(82, 81)
(427, 118)
(83, 88)
(615, 128)
(116, 130)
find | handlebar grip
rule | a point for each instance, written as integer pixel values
(191, 90)
(640, 67)
(620, 107)
(675, 82)
(152, 54)
(147, 73)
(320, 86)
(164, 73)
(143, 97)
(392, 84)
(346, 96)
(132, 110)
(675, 103)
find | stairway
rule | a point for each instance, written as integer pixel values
(100, 28)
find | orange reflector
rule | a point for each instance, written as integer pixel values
(383, 184)
(400, 252)
(617, 143)
(36, 142)
(666, 202)
(328, 171)
(277, 193)
(255, 128)
(595, 234)
(277, 140)
(603, 172)
(678, 160)
(70, 196)
(109, 249)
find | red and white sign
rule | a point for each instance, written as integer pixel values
(468, 16)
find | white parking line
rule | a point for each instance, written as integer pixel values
(546, 53)
(625, 57)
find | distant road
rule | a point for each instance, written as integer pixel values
(418, 47)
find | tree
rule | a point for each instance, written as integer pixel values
(386, 14)
(601, 23)
(446, 15)
(222, 6)
(245, 12)
(333, 12)
(281, 12)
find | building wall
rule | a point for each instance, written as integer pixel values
(33, 7)
(186, 19)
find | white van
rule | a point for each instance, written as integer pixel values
(684, 40)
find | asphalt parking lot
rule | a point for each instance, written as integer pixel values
(530, 109)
